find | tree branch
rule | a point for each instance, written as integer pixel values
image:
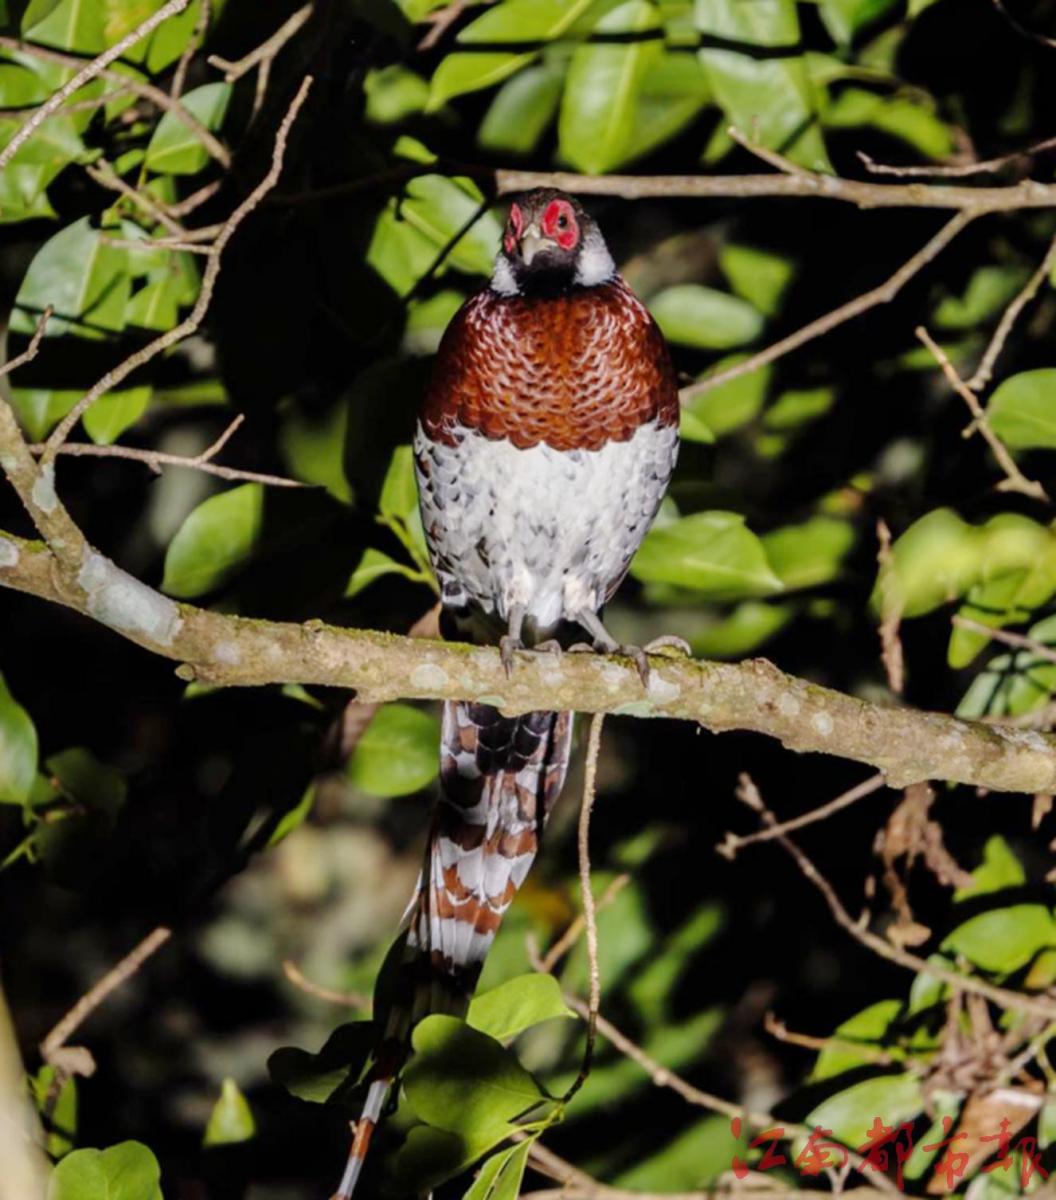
(905, 744)
(86, 74)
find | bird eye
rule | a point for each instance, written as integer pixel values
(562, 221)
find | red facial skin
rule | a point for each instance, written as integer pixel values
(514, 227)
(560, 224)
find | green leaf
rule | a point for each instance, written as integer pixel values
(372, 566)
(316, 1077)
(18, 749)
(85, 780)
(768, 97)
(464, 1082)
(57, 1097)
(758, 276)
(313, 445)
(1004, 939)
(522, 21)
(751, 623)
(176, 150)
(693, 315)
(399, 492)
(217, 539)
(1006, 600)
(83, 276)
(500, 1177)
(795, 408)
(393, 94)
(1022, 410)
(440, 208)
(712, 552)
(596, 125)
(940, 557)
(460, 73)
(517, 1005)
(1047, 1123)
(898, 116)
(844, 18)
(734, 403)
(989, 291)
(75, 25)
(672, 92)
(231, 1119)
(112, 414)
(127, 1171)
(869, 1027)
(850, 1113)
(522, 109)
(1000, 869)
(398, 752)
(694, 1160)
(809, 554)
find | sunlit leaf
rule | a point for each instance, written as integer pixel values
(713, 552)
(18, 749)
(693, 315)
(231, 1120)
(176, 150)
(218, 538)
(316, 1077)
(522, 109)
(516, 1005)
(397, 753)
(112, 414)
(809, 554)
(128, 1171)
(758, 276)
(500, 1177)
(1004, 939)
(1022, 410)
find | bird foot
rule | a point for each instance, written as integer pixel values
(508, 647)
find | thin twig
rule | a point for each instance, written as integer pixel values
(299, 980)
(737, 841)
(188, 204)
(574, 931)
(90, 1001)
(33, 349)
(1016, 640)
(891, 653)
(194, 42)
(212, 270)
(85, 75)
(1009, 317)
(440, 22)
(1015, 480)
(1012, 1001)
(853, 308)
(266, 51)
(146, 91)
(1022, 30)
(779, 1030)
(105, 175)
(955, 171)
(590, 916)
(89, 105)
(157, 459)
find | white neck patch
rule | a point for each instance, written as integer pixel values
(595, 263)
(502, 280)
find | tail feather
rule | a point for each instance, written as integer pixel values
(499, 779)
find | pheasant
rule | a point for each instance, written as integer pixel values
(545, 443)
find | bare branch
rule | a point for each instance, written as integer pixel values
(346, 999)
(54, 1044)
(1015, 480)
(853, 308)
(1016, 640)
(590, 919)
(85, 75)
(958, 170)
(194, 42)
(734, 842)
(1009, 317)
(26, 1169)
(33, 349)
(146, 91)
(105, 175)
(212, 270)
(907, 745)
(1012, 1001)
(266, 51)
(779, 1030)
(574, 932)
(891, 654)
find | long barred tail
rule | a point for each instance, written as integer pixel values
(499, 779)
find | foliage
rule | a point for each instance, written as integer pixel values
(281, 826)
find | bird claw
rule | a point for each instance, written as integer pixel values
(552, 647)
(669, 641)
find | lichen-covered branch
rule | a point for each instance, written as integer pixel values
(906, 745)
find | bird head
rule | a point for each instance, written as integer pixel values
(550, 243)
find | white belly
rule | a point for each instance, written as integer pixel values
(552, 531)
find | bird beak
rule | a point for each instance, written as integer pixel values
(532, 242)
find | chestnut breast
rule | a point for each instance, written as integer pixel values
(574, 371)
